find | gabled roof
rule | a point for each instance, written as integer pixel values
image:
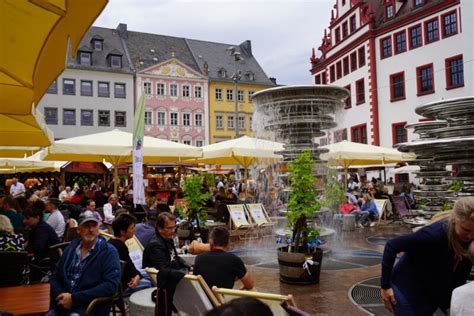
(111, 43)
(178, 62)
(147, 49)
(216, 56)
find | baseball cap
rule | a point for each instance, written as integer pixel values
(87, 217)
(152, 214)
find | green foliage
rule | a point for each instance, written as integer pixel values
(333, 192)
(456, 185)
(302, 203)
(195, 198)
(447, 206)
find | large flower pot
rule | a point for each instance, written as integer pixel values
(293, 269)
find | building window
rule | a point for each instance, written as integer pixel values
(400, 42)
(317, 79)
(337, 35)
(230, 121)
(230, 95)
(348, 101)
(415, 36)
(161, 118)
(174, 119)
(397, 86)
(173, 90)
(359, 134)
(160, 89)
(186, 91)
(218, 94)
(399, 133)
(147, 88)
(332, 74)
(103, 90)
(86, 88)
(352, 22)
(104, 118)
(323, 141)
(240, 96)
(340, 135)
(251, 95)
(251, 122)
(119, 90)
(425, 79)
(339, 70)
(186, 119)
(53, 88)
(69, 86)
(431, 31)
(241, 122)
(219, 121)
(187, 141)
(345, 65)
(454, 72)
(115, 61)
(360, 91)
(385, 47)
(353, 61)
(198, 120)
(199, 143)
(97, 44)
(51, 116)
(198, 92)
(418, 3)
(389, 12)
(85, 58)
(87, 117)
(147, 117)
(361, 52)
(450, 26)
(345, 30)
(69, 117)
(120, 119)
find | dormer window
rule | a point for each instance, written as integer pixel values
(222, 73)
(85, 58)
(249, 76)
(115, 61)
(389, 12)
(98, 45)
(419, 3)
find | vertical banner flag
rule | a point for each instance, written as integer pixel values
(138, 131)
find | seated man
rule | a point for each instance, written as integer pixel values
(56, 218)
(145, 231)
(89, 268)
(220, 268)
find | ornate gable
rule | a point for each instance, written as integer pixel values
(172, 68)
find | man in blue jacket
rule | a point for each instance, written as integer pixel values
(89, 268)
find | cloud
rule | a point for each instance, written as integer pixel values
(282, 32)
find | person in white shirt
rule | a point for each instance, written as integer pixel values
(65, 194)
(56, 219)
(110, 208)
(17, 188)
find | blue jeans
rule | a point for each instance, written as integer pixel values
(361, 216)
(404, 308)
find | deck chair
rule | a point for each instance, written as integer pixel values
(193, 296)
(152, 273)
(404, 214)
(238, 222)
(273, 301)
(260, 217)
(381, 205)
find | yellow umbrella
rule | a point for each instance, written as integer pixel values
(34, 40)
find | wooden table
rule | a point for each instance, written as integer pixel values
(25, 299)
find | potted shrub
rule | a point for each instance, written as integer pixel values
(299, 256)
(194, 200)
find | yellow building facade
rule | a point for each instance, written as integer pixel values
(222, 118)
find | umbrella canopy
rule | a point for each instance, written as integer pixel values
(34, 39)
(17, 151)
(29, 164)
(243, 151)
(115, 147)
(405, 169)
(347, 154)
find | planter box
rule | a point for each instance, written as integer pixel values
(291, 267)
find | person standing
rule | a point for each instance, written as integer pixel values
(17, 188)
(435, 261)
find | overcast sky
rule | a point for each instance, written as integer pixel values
(282, 32)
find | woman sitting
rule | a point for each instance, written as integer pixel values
(9, 241)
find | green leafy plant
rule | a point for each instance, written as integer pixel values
(333, 192)
(447, 206)
(456, 185)
(195, 199)
(302, 204)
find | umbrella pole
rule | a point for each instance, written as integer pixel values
(345, 178)
(115, 179)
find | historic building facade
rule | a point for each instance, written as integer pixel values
(393, 56)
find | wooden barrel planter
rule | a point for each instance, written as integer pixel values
(291, 267)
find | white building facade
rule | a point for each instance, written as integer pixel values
(393, 56)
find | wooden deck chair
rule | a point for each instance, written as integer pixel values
(152, 273)
(274, 301)
(404, 214)
(381, 205)
(134, 246)
(260, 217)
(238, 222)
(193, 296)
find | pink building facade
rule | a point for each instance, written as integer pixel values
(176, 102)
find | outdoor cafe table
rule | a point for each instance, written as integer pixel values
(25, 299)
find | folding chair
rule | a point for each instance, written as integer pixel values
(403, 212)
(260, 217)
(273, 301)
(238, 222)
(381, 204)
(193, 296)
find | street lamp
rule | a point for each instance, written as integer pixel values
(235, 78)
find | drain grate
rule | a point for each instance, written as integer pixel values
(381, 239)
(366, 295)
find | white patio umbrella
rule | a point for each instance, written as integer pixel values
(404, 169)
(115, 147)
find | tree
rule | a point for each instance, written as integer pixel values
(195, 199)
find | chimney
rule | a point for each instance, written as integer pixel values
(246, 47)
(274, 80)
(122, 30)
